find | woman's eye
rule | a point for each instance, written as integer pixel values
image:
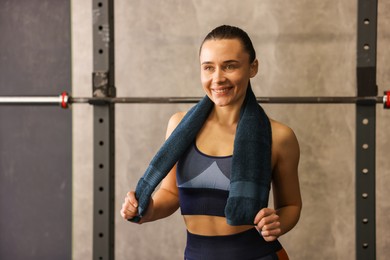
(229, 67)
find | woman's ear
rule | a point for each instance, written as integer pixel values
(254, 68)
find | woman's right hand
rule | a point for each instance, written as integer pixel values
(130, 206)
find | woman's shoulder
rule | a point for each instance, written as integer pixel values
(174, 121)
(177, 117)
(281, 133)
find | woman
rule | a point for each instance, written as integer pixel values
(228, 61)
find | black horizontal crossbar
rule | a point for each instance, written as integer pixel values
(273, 100)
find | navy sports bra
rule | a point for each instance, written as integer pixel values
(203, 182)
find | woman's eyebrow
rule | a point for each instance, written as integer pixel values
(224, 62)
(231, 61)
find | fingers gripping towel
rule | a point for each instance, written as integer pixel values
(251, 163)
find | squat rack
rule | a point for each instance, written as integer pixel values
(104, 99)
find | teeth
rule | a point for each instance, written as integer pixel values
(221, 90)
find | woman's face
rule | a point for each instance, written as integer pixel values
(225, 71)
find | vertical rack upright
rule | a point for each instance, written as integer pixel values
(103, 79)
(366, 130)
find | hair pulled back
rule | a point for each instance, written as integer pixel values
(232, 32)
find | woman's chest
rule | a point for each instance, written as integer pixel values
(216, 141)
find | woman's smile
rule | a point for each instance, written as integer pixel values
(222, 91)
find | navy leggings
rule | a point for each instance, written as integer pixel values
(247, 245)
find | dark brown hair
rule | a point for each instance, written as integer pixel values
(231, 32)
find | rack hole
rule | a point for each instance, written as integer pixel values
(100, 4)
(365, 171)
(101, 143)
(365, 220)
(101, 120)
(101, 166)
(101, 235)
(365, 245)
(365, 146)
(366, 47)
(366, 21)
(101, 188)
(364, 195)
(365, 121)
(100, 27)
(100, 51)
(101, 212)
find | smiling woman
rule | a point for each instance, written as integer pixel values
(221, 180)
(225, 71)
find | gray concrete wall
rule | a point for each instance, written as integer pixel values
(35, 142)
(305, 48)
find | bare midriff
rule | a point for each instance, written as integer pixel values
(212, 226)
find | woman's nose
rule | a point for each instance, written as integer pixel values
(219, 76)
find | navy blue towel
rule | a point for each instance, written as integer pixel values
(251, 163)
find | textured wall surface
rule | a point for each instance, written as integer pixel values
(35, 142)
(305, 48)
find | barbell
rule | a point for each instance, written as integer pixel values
(65, 100)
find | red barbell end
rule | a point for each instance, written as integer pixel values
(64, 100)
(386, 100)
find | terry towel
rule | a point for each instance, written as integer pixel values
(251, 163)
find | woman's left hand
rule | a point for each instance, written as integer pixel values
(267, 223)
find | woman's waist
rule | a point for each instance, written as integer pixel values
(247, 244)
(212, 226)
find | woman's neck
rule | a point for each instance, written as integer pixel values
(226, 115)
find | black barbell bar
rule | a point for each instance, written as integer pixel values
(64, 100)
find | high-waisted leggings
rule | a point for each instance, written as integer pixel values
(247, 245)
